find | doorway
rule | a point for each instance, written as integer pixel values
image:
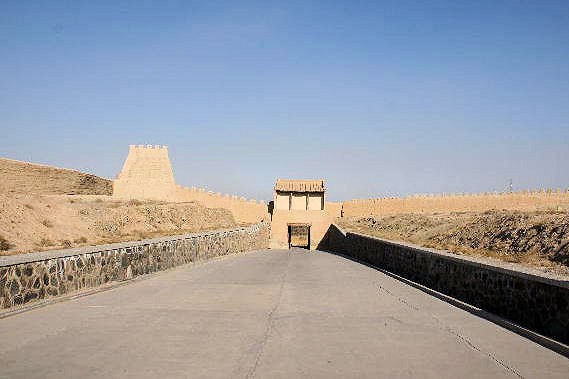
(299, 236)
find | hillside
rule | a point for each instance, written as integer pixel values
(539, 239)
(35, 222)
(30, 178)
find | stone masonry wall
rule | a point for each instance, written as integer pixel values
(531, 300)
(31, 277)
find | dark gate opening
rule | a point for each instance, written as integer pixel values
(299, 236)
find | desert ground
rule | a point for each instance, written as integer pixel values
(537, 239)
(45, 208)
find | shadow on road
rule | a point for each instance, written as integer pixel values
(526, 333)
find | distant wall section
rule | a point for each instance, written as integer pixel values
(523, 201)
(244, 210)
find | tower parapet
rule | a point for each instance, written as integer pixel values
(146, 174)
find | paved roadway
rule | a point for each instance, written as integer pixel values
(266, 314)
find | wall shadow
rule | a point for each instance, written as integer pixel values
(335, 243)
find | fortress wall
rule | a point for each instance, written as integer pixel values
(529, 298)
(244, 210)
(28, 278)
(523, 201)
(146, 174)
(333, 209)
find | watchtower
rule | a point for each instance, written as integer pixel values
(146, 174)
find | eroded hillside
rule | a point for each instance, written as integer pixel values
(30, 178)
(40, 222)
(534, 238)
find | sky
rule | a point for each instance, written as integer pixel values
(380, 98)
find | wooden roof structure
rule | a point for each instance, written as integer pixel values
(300, 185)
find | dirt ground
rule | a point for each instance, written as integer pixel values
(537, 239)
(45, 222)
(28, 178)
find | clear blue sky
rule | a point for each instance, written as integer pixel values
(377, 97)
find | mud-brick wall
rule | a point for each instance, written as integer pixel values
(530, 300)
(31, 277)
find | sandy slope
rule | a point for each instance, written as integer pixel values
(43, 222)
(538, 239)
(24, 177)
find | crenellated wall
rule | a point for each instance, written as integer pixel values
(146, 174)
(524, 201)
(28, 278)
(244, 210)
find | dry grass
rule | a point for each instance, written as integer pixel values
(4, 244)
(539, 239)
(45, 242)
(87, 221)
(47, 223)
(80, 240)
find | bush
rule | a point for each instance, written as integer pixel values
(4, 244)
(47, 223)
(134, 202)
(66, 243)
(46, 242)
(80, 240)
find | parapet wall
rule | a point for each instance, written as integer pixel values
(244, 210)
(530, 299)
(28, 278)
(523, 201)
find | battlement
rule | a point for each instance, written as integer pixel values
(146, 174)
(524, 200)
(148, 147)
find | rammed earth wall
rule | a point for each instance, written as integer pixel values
(31, 277)
(527, 298)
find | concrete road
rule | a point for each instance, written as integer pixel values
(266, 314)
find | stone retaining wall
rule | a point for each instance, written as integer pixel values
(31, 277)
(528, 298)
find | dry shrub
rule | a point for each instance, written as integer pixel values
(134, 202)
(47, 223)
(4, 244)
(66, 244)
(80, 240)
(44, 242)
